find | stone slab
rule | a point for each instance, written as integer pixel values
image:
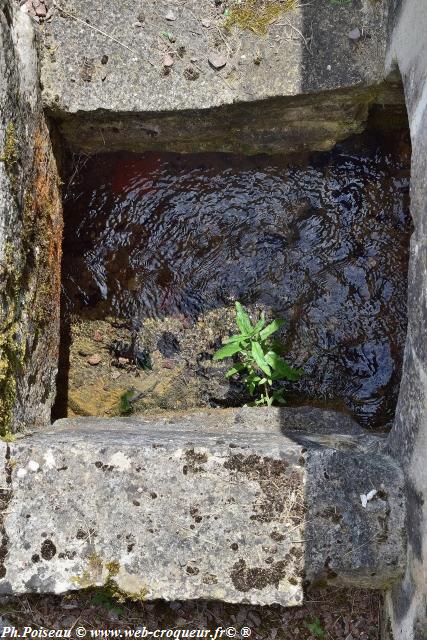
(219, 505)
(101, 56)
(302, 85)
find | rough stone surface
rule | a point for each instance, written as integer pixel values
(30, 233)
(114, 94)
(406, 604)
(221, 505)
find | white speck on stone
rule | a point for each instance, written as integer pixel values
(21, 473)
(49, 459)
(365, 498)
(328, 68)
(120, 460)
(33, 465)
(140, 489)
(170, 16)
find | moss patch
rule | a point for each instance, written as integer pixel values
(257, 15)
(10, 155)
(30, 270)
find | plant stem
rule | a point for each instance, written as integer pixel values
(266, 393)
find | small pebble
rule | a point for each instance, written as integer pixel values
(206, 23)
(41, 11)
(94, 360)
(168, 60)
(33, 465)
(170, 16)
(217, 60)
(115, 375)
(97, 336)
(354, 34)
(123, 361)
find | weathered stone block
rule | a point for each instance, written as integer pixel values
(220, 505)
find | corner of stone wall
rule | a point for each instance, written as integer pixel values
(30, 233)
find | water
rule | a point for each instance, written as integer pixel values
(321, 240)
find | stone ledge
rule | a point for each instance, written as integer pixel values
(187, 507)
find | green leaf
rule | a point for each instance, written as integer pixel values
(243, 320)
(271, 328)
(236, 369)
(278, 396)
(316, 629)
(236, 338)
(226, 351)
(280, 367)
(261, 322)
(258, 355)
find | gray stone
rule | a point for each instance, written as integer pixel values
(222, 505)
(168, 60)
(354, 34)
(217, 61)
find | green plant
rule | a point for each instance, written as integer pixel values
(316, 628)
(125, 404)
(259, 361)
(104, 599)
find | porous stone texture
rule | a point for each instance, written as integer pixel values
(298, 82)
(30, 233)
(220, 505)
(406, 604)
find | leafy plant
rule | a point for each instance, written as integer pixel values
(259, 361)
(316, 628)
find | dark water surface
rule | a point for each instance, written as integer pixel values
(322, 240)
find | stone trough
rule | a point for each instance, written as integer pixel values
(238, 505)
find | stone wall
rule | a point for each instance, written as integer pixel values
(407, 603)
(30, 233)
